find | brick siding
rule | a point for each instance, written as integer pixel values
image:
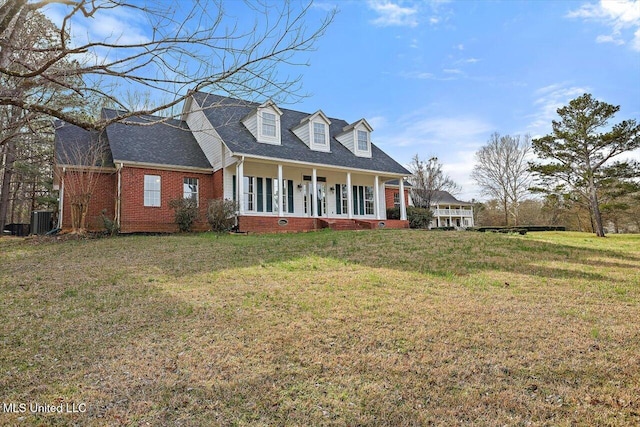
(388, 196)
(103, 198)
(135, 217)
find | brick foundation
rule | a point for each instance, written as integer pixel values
(268, 224)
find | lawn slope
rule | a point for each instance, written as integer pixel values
(329, 328)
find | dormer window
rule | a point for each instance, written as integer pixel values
(313, 130)
(268, 124)
(264, 123)
(363, 140)
(357, 138)
(319, 133)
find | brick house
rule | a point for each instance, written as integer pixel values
(288, 170)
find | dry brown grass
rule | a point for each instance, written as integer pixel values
(330, 328)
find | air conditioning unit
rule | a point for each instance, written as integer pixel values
(41, 222)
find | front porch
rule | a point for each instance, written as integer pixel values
(275, 197)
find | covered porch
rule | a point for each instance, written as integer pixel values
(279, 196)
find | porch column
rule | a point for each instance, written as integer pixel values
(403, 203)
(349, 197)
(376, 195)
(240, 186)
(314, 189)
(280, 192)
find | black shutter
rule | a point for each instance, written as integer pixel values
(234, 188)
(269, 183)
(290, 196)
(338, 201)
(260, 194)
(355, 199)
(361, 190)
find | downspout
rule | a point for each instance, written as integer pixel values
(61, 199)
(118, 196)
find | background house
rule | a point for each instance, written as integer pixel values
(450, 212)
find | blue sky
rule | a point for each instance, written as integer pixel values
(436, 78)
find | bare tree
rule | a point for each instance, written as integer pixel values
(80, 166)
(502, 171)
(427, 180)
(25, 43)
(189, 46)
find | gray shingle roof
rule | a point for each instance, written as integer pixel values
(225, 114)
(73, 146)
(167, 142)
(444, 197)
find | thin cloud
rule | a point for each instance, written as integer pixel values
(548, 100)
(620, 15)
(430, 131)
(392, 14)
(609, 39)
(420, 75)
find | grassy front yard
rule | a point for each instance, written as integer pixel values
(327, 328)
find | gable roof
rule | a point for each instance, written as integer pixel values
(75, 146)
(225, 115)
(155, 140)
(444, 197)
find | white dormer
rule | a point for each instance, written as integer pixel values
(314, 131)
(264, 123)
(357, 138)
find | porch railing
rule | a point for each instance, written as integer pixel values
(452, 212)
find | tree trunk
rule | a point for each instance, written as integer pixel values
(595, 209)
(5, 192)
(506, 212)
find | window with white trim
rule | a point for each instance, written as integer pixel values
(268, 124)
(396, 199)
(319, 134)
(363, 140)
(190, 189)
(249, 193)
(344, 199)
(368, 200)
(152, 190)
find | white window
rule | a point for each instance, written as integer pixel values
(344, 199)
(151, 190)
(368, 200)
(249, 193)
(190, 189)
(319, 134)
(396, 200)
(269, 124)
(363, 141)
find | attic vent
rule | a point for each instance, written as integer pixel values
(283, 222)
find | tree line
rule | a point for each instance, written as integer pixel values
(577, 171)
